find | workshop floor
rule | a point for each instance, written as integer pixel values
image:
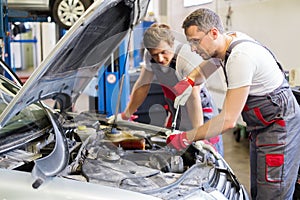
(236, 155)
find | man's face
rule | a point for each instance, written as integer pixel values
(199, 41)
(162, 54)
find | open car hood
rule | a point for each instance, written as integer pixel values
(78, 56)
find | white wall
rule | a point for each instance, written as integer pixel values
(48, 38)
(275, 23)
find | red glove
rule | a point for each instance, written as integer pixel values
(214, 140)
(178, 141)
(182, 90)
(182, 85)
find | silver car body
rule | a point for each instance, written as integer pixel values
(29, 4)
(17, 185)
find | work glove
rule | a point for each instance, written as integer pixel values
(183, 90)
(178, 140)
(204, 144)
(120, 117)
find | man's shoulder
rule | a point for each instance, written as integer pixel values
(244, 39)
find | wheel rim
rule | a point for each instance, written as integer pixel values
(69, 11)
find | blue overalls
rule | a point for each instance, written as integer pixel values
(168, 79)
(273, 123)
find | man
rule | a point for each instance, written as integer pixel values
(257, 89)
(169, 61)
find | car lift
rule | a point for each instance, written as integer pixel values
(3, 27)
(108, 83)
(109, 77)
(10, 16)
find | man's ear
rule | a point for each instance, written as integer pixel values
(214, 32)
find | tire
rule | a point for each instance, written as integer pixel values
(67, 12)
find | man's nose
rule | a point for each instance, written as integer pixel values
(160, 57)
(193, 48)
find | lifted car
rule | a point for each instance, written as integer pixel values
(64, 12)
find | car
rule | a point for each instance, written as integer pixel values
(52, 152)
(64, 12)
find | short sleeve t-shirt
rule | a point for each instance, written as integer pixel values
(251, 64)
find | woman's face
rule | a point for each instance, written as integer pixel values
(162, 54)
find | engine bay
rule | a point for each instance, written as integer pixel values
(134, 159)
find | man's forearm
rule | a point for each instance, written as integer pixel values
(203, 71)
(210, 129)
(194, 107)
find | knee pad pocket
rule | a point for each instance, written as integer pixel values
(274, 167)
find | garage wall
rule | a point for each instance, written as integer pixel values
(273, 22)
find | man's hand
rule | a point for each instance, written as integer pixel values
(178, 140)
(204, 144)
(183, 90)
(120, 117)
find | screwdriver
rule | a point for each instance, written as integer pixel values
(175, 119)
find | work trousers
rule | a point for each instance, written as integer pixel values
(273, 123)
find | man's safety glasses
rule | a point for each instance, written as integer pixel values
(195, 42)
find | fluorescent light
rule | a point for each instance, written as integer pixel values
(187, 3)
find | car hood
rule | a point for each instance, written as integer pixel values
(80, 54)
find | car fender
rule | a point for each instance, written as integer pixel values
(59, 188)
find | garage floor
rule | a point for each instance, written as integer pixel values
(237, 156)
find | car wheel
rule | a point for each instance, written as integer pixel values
(67, 12)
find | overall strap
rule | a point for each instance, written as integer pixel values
(233, 44)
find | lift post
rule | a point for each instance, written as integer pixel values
(10, 16)
(109, 81)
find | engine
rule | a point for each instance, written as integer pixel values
(140, 161)
(132, 156)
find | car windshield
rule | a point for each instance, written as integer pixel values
(29, 121)
(77, 57)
